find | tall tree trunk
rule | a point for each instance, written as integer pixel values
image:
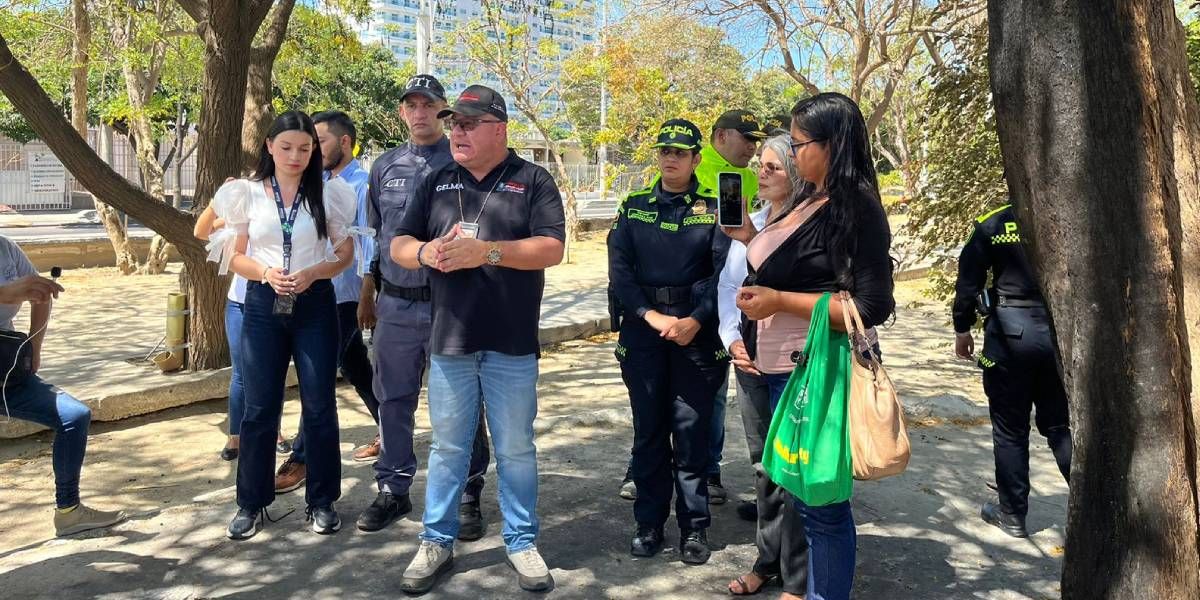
(258, 110)
(1092, 129)
(125, 259)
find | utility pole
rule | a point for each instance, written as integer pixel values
(602, 154)
(424, 34)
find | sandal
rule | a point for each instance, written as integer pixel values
(743, 588)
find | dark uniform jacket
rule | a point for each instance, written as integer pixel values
(995, 246)
(666, 240)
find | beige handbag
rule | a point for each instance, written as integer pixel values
(878, 438)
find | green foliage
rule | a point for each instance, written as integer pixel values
(964, 166)
(651, 77)
(772, 92)
(36, 38)
(322, 65)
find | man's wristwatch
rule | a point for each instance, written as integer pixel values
(493, 254)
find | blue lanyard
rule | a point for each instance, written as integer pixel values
(286, 221)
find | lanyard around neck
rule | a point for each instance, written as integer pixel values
(287, 220)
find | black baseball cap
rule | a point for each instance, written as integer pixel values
(779, 124)
(425, 85)
(476, 101)
(678, 133)
(741, 120)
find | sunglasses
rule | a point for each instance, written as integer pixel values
(772, 168)
(467, 124)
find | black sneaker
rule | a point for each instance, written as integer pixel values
(693, 546)
(324, 519)
(245, 524)
(228, 454)
(647, 541)
(470, 519)
(1013, 525)
(385, 509)
(747, 510)
(283, 447)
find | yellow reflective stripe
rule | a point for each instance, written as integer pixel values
(669, 226)
(645, 216)
(709, 219)
(1006, 238)
(986, 362)
(989, 215)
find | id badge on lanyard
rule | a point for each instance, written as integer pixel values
(286, 303)
(469, 230)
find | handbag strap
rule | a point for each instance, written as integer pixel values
(855, 328)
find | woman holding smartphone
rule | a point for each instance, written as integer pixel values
(832, 236)
(292, 239)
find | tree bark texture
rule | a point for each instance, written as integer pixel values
(258, 110)
(1091, 127)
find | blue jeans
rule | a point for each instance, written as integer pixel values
(37, 401)
(507, 387)
(237, 392)
(828, 529)
(269, 342)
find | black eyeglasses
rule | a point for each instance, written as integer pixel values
(797, 145)
(666, 151)
(467, 124)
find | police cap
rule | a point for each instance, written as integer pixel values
(743, 121)
(678, 133)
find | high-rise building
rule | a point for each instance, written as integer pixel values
(569, 23)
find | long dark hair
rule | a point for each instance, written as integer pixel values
(850, 182)
(311, 180)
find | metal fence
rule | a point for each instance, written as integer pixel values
(33, 179)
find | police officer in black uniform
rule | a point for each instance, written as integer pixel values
(1020, 367)
(665, 252)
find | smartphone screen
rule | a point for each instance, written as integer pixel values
(729, 200)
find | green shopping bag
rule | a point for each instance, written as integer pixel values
(808, 446)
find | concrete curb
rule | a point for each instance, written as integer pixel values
(175, 390)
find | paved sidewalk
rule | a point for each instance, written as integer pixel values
(105, 325)
(919, 535)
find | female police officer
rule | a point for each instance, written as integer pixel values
(665, 251)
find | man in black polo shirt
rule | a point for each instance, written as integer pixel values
(486, 226)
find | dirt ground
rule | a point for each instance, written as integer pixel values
(919, 534)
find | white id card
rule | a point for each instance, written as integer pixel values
(469, 230)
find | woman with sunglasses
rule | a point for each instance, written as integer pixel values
(832, 235)
(292, 231)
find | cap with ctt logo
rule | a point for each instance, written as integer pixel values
(678, 133)
(476, 101)
(425, 85)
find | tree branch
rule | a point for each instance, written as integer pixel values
(28, 97)
(277, 30)
(196, 9)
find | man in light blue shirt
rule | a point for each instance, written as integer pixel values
(338, 136)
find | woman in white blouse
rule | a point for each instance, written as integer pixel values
(295, 227)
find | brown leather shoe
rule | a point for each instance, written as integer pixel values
(290, 476)
(368, 452)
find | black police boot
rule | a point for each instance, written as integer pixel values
(385, 509)
(324, 519)
(693, 546)
(647, 541)
(1013, 525)
(470, 520)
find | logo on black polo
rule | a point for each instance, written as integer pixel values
(448, 186)
(399, 182)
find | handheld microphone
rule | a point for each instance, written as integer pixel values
(55, 273)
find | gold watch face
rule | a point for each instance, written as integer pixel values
(493, 256)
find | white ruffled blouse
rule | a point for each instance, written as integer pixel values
(246, 206)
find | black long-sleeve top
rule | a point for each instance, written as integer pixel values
(804, 263)
(663, 239)
(995, 245)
